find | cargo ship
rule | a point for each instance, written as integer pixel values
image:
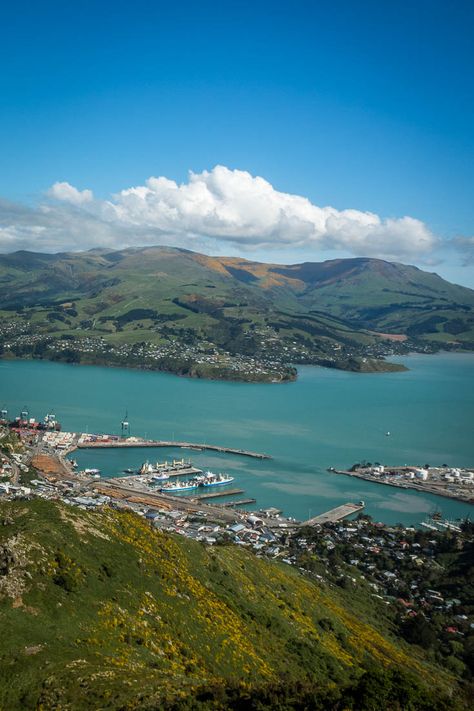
(160, 467)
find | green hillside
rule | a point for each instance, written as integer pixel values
(182, 311)
(99, 610)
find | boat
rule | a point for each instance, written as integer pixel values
(429, 525)
(178, 486)
(387, 434)
(160, 477)
(129, 471)
(92, 471)
(210, 479)
(146, 468)
(436, 515)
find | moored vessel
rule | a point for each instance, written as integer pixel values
(178, 486)
(211, 479)
(160, 477)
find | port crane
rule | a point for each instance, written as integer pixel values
(125, 425)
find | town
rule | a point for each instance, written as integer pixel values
(401, 569)
(183, 352)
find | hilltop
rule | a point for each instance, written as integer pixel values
(181, 311)
(100, 610)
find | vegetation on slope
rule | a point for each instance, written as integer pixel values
(176, 310)
(99, 610)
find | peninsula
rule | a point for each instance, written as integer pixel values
(451, 482)
(162, 308)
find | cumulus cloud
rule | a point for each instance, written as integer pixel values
(68, 193)
(214, 209)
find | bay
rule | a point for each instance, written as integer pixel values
(326, 418)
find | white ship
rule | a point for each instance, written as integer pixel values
(178, 486)
(211, 479)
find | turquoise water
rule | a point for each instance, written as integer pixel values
(326, 418)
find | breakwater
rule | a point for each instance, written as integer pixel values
(100, 443)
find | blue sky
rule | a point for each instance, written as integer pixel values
(365, 106)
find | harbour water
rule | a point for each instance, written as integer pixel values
(326, 418)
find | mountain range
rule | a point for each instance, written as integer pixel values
(335, 312)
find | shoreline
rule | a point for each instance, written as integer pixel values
(151, 369)
(406, 485)
(386, 367)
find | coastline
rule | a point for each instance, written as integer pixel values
(191, 374)
(288, 374)
(406, 485)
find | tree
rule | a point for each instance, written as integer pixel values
(418, 631)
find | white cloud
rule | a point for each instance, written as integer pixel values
(68, 193)
(217, 209)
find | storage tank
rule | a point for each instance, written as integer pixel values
(422, 474)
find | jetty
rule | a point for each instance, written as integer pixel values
(337, 514)
(150, 478)
(87, 441)
(217, 494)
(436, 483)
(239, 502)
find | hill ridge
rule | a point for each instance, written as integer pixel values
(218, 307)
(99, 609)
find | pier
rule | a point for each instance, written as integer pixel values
(86, 441)
(337, 514)
(239, 502)
(393, 476)
(217, 494)
(149, 478)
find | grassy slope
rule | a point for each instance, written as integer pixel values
(365, 294)
(392, 297)
(100, 611)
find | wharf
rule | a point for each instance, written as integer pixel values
(188, 471)
(426, 487)
(217, 494)
(334, 515)
(148, 479)
(165, 501)
(138, 442)
(183, 472)
(239, 502)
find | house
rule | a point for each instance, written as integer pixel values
(237, 528)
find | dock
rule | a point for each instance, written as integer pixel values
(239, 502)
(165, 501)
(337, 514)
(217, 494)
(186, 471)
(137, 442)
